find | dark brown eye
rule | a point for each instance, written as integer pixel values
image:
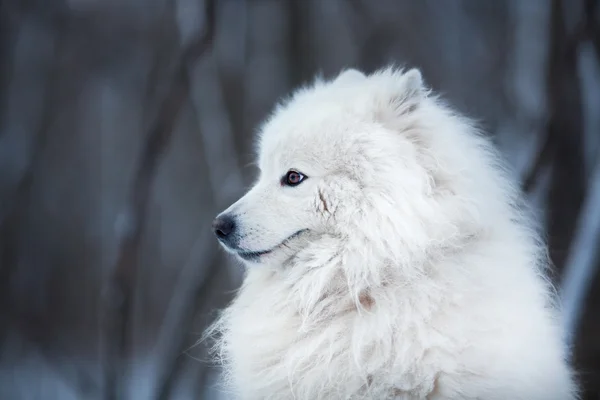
(292, 178)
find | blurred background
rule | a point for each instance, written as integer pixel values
(126, 125)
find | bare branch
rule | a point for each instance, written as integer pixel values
(565, 126)
(582, 261)
(193, 289)
(565, 57)
(591, 24)
(583, 258)
(197, 288)
(542, 159)
(118, 294)
(16, 198)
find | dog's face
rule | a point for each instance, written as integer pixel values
(332, 163)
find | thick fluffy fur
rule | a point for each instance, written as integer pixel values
(402, 267)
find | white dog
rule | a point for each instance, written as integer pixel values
(388, 257)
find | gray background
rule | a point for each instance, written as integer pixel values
(82, 83)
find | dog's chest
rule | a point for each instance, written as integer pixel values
(274, 349)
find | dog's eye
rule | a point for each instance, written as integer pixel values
(292, 178)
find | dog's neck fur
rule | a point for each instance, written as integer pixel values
(327, 267)
(311, 299)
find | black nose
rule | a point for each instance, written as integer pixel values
(223, 226)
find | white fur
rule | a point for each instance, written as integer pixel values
(417, 274)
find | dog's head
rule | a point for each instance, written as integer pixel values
(372, 161)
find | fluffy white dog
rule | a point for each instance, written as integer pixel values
(388, 257)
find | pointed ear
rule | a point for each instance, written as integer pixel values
(401, 93)
(414, 89)
(348, 76)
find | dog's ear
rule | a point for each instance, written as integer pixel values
(414, 90)
(401, 93)
(348, 76)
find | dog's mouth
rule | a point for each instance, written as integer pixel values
(256, 255)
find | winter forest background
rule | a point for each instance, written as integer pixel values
(126, 125)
